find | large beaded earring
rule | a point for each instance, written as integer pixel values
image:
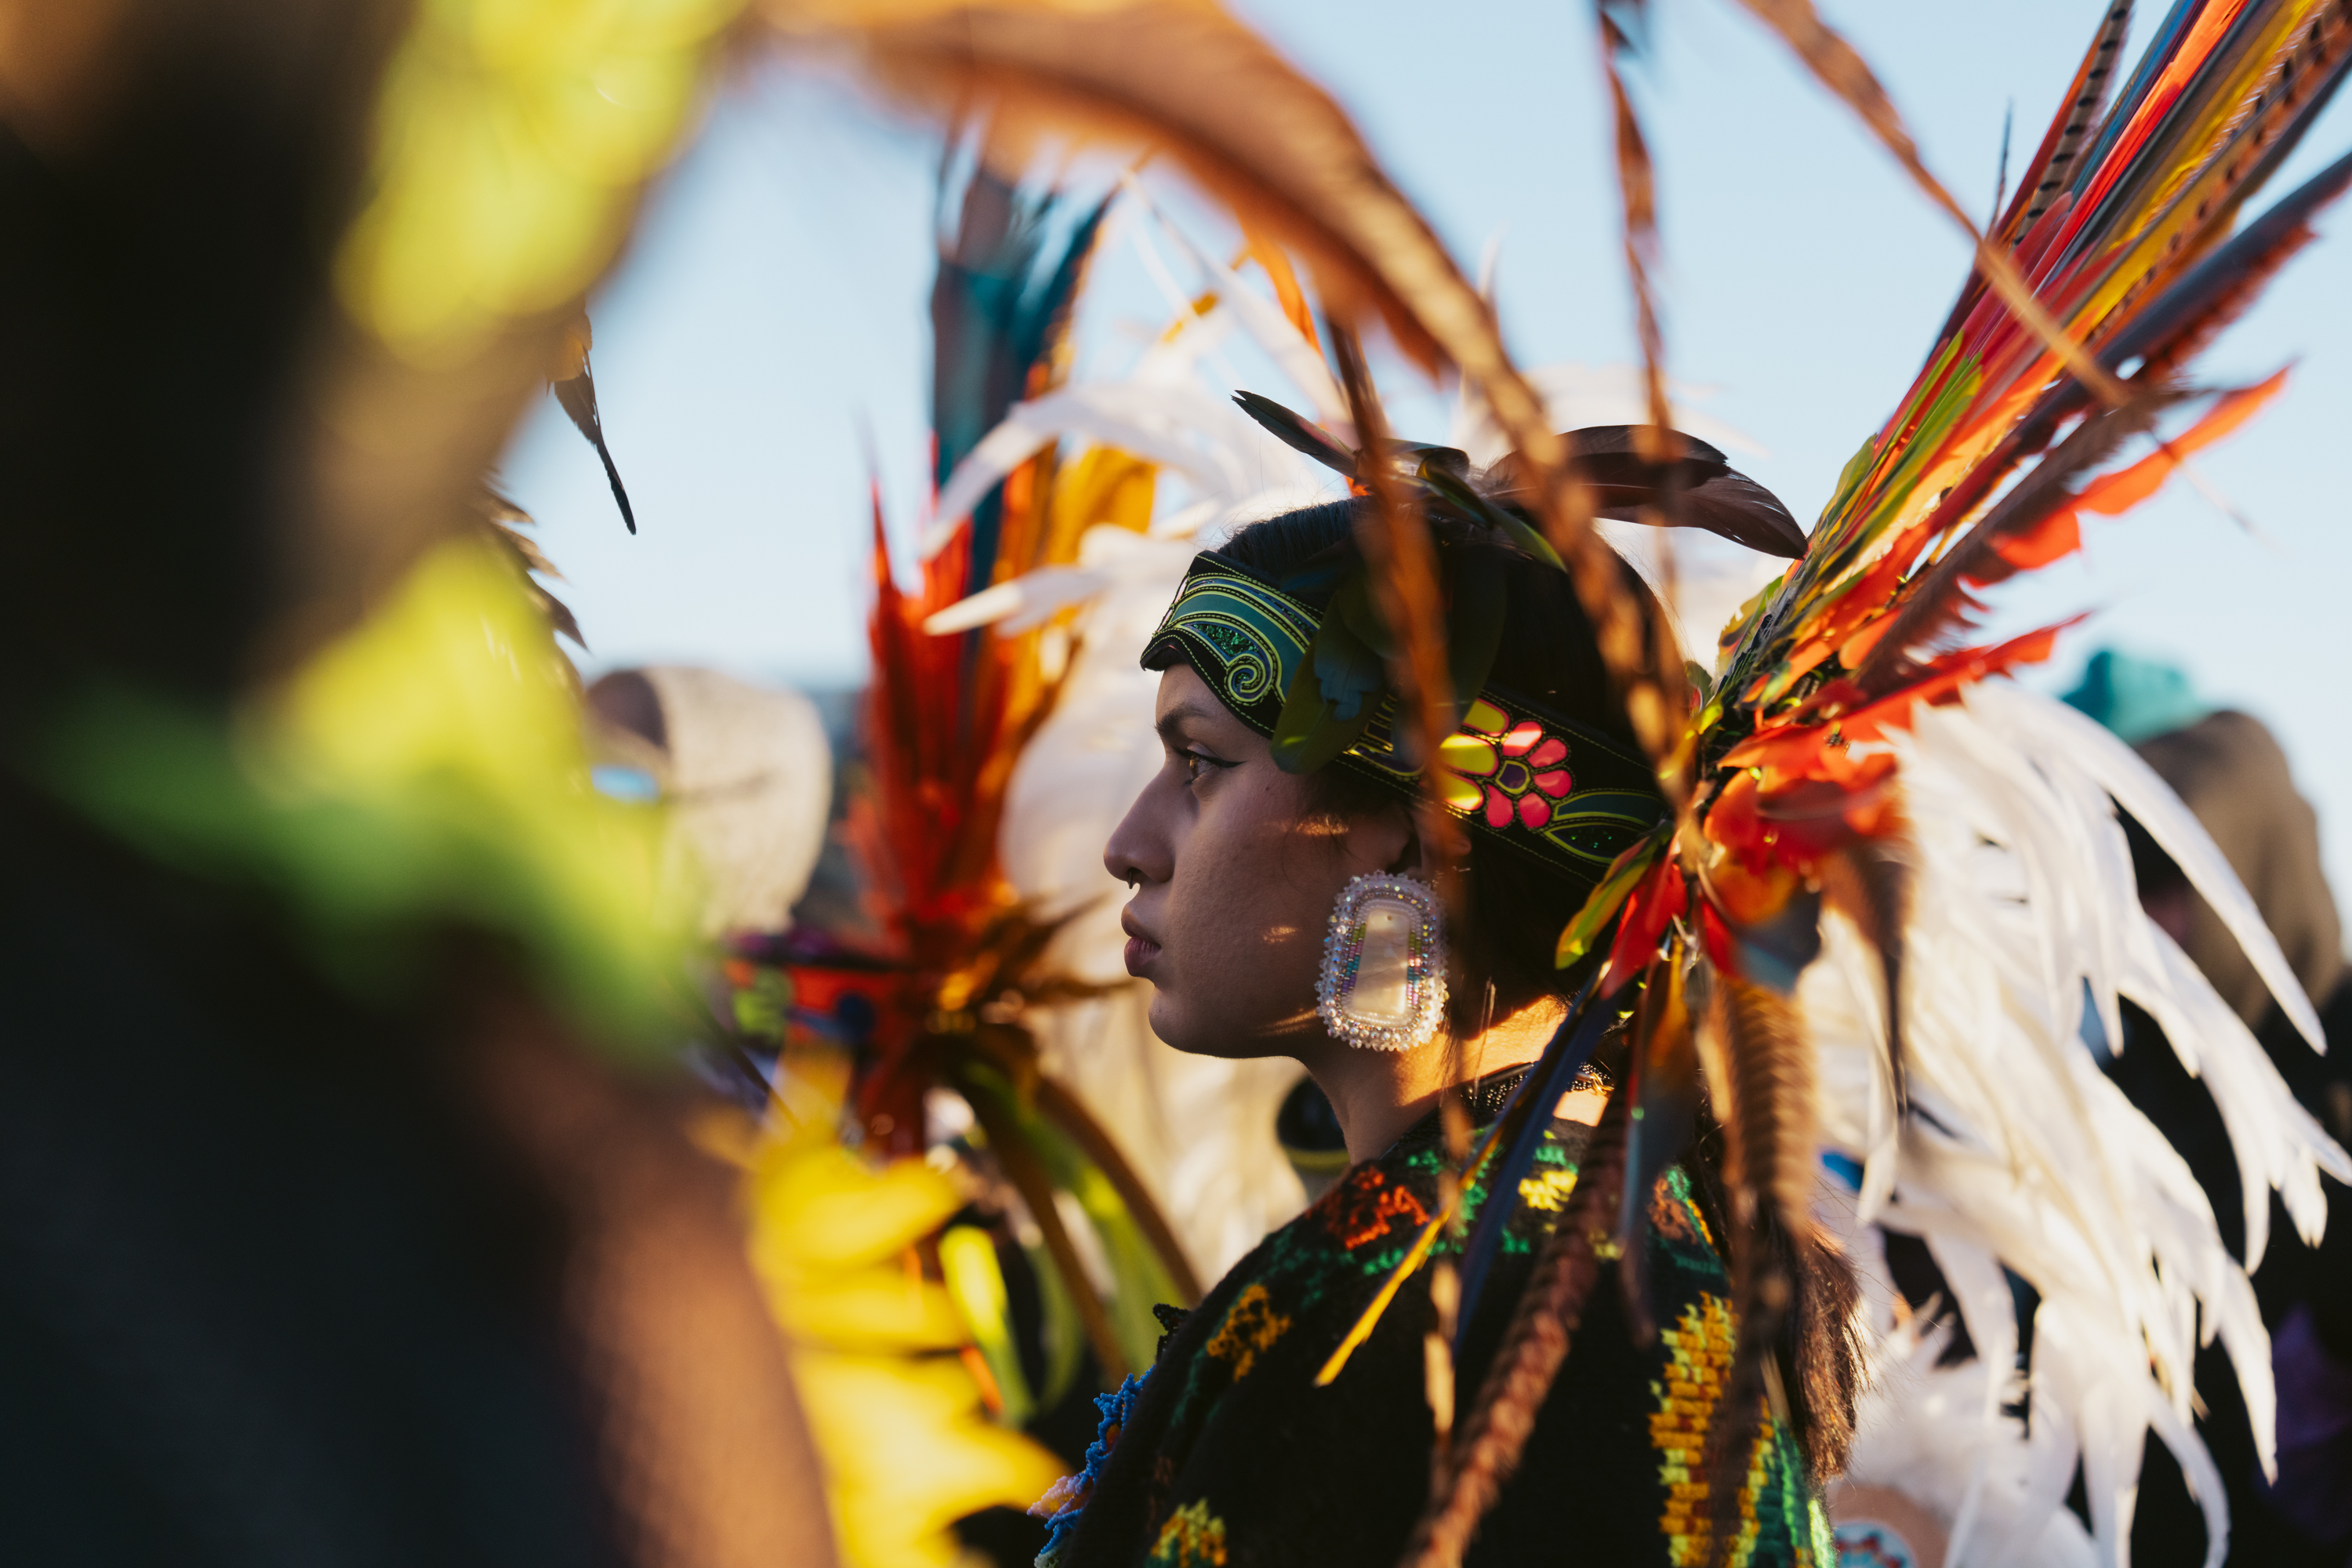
(1383, 982)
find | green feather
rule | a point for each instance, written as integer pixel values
(1331, 699)
(1601, 905)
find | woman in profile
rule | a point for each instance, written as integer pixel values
(1282, 907)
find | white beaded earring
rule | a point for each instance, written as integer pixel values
(1383, 983)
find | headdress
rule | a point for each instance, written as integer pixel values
(1529, 778)
(1315, 681)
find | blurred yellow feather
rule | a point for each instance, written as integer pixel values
(908, 1448)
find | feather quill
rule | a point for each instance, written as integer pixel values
(576, 391)
(2078, 116)
(1637, 194)
(1401, 570)
(1765, 1099)
(2046, 178)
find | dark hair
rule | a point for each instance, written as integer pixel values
(1514, 908)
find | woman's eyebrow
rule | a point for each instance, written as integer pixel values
(1171, 724)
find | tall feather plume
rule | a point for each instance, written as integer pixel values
(1842, 71)
(2176, 182)
(2164, 337)
(1939, 599)
(1488, 1441)
(2126, 251)
(2078, 115)
(947, 716)
(2046, 178)
(2118, 257)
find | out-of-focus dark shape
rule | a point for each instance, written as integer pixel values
(1310, 1137)
(292, 1271)
(289, 1278)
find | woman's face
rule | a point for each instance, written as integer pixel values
(1233, 884)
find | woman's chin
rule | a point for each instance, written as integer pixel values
(1181, 1030)
(1178, 1030)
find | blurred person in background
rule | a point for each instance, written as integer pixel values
(2229, 769)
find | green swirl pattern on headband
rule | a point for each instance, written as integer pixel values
(1257, 633)
(1542, 784)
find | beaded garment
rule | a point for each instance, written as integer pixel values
(1226, 1454)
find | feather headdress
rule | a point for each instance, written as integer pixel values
(1894, 896)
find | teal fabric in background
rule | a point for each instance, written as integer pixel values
(2138, 698)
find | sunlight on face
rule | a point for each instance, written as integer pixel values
(1233, 884)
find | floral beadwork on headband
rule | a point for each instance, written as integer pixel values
(1505, 770)
(1539, 782)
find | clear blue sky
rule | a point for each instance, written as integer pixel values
(771, 314)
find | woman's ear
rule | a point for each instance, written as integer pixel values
(1408, 860)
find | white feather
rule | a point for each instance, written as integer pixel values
(1198, 1131)
(2024, 931)
(2123, 773)
(1264, 320)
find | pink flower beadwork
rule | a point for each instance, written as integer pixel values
(1504, 770)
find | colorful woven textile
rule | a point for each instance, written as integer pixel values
(1229, 1455)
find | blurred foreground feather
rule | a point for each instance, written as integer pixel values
(908, 1446)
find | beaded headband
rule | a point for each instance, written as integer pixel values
(1538, 783)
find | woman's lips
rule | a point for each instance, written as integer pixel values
(1141, 949)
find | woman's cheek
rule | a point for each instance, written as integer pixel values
(1214, 963)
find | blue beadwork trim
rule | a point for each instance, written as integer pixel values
(1074, 1491)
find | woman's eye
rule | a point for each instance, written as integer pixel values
(1196, 763)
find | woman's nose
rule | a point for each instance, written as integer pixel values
(1135, 854)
